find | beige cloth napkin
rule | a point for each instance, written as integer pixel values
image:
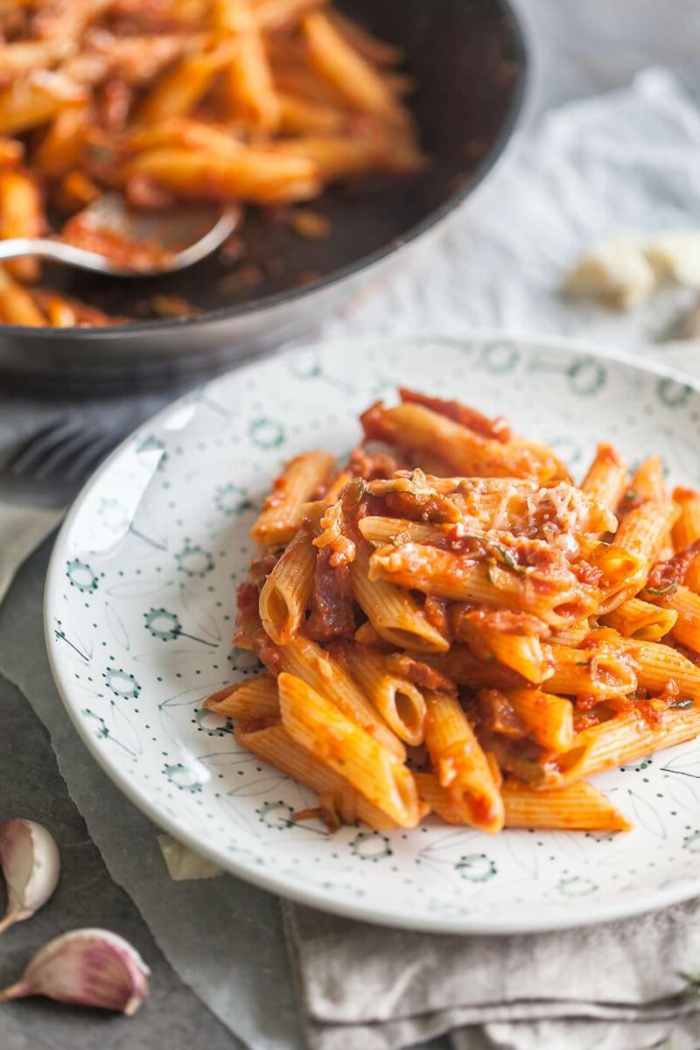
(614, 987)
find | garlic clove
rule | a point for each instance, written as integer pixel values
(90, 967)
(30, 864)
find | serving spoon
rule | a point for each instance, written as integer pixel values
(169, 240)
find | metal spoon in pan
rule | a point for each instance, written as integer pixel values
(109, 237)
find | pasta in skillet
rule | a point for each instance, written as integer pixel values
(257, 102)
(448, 623)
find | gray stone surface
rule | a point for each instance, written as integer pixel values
(32, 787)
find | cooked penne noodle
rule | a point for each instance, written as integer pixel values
(636, 618)
(460, 764)
(21, 215)
(522, 652)
(601, 672)
(352, 76)
(250, 88)
(320, 728)
(380, 531)
(306, 660)
(464, 668)
(550, 718)
(625, 738)
(177, 93)
(606, 477)
(339, 156)
(648, 480)
(254, 174)
(656, 665)
(419, 429)
(63, 145)
(399, 701)
(458, 577)
(578, 807)
(36, 101)
(280, 517)
(645, 528)
(393, 613)
(274, 745)
(684, 606)
(686, 529)
(285, 595)
(17, 306)
(253, 700)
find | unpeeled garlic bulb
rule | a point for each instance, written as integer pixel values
(30, 865)
(90, 967)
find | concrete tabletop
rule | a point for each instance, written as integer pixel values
(579, 50)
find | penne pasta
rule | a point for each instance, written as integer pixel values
(254, 700)
(394, 614)
(337, 798)
(339, 63)
(549, 718)
(177, 93)
(250, 88)
(281, 515)
(457, 577)
(648, 481)
(682, 608)
(636, 618)
(625, 738)
(399, 701)
(306, 660)
(320, 728)
(606, 478)
(285, 595)
(418, 429)
(460, 764)
(602, 672)
(645, 528)
(257, 175)
(686, 528)
(578, 807)
(37, 101)
(656, 665)
(21, 215)
(17, 306)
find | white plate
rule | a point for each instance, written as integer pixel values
(140, 604)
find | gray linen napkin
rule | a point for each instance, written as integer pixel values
(619, 985)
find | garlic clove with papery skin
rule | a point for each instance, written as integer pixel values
(30, 865)
(90, 967)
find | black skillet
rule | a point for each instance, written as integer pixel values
(469, 61)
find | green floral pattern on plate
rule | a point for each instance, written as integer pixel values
(140, 609)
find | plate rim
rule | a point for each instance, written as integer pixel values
(653, 900)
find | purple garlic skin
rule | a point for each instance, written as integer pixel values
(30, 865)
(90, 967)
